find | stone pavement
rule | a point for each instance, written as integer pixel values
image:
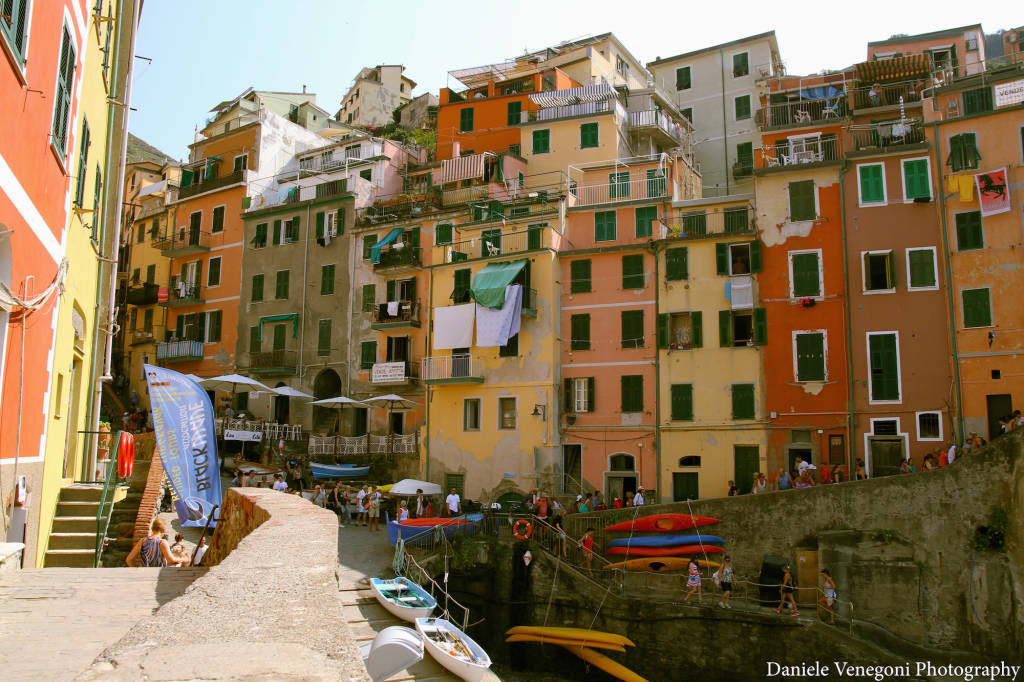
(55, 621)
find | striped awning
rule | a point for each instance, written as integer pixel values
(564, 98)
(463, 168)
(897, 68)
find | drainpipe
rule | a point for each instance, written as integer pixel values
(428, 392)
(949, 285)
(657, 377)
(725, 132)
(302, 325)
(846, 317)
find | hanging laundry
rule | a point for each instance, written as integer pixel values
(392, 308)
(453, 326)
(966, 188)
(494, 327)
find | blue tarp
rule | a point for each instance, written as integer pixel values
(388, 238)
(824, 92)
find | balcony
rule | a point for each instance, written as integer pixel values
(392, 258)
(655, 122)
(732, 221)
(198, 187)
(880, 96)
(273, 362)
(464, 195)
(143, 294)
(633, 189)
(141, 337)
(495, 243)
(802, 113)
(179, 351)
(181, 294)
(791, 152)
(452, 369)
(877, 138)
(573, 111)
(401, 372)
(406, 314)
(399, 210)
(176, 244)
(369, 444)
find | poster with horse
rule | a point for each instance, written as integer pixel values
(993, 192)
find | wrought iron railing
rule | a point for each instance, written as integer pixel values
(211, 184)
(653, 118)
(405, 311)
(169, 351)
(275, 359)
(701, 223)
(630, 189)
(451, 367)
(889, 94)
(802, 112)
(106, 508)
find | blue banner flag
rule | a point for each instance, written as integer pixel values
(185, 438)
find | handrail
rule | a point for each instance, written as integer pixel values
(103, 524)
(424, 577)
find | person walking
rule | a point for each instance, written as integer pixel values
(638, 499)
(587, 541)
(152, 550)
(421, 503)
(786, 590)
(556, 521)
(725, 581)
(361, 506)
(693, 582)
(828, 596)
(200, 551)
(453, 503)
(341, 504)
(373, 510)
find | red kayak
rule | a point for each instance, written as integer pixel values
(433, 522)
(666, 551)
(664, 523)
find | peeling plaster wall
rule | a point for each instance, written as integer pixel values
(280, 140)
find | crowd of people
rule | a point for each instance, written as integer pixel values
(155, 550)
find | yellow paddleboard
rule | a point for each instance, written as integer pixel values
(660, 564)
(574, 634)
(566, 642)
(606, 664)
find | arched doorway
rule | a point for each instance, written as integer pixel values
(326, 385)
(621, 476)
(281, 408)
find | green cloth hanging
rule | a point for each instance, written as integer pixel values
(488, 288)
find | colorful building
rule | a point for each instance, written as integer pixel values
(952, 52)
(375, 93)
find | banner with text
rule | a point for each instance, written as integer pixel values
(993, 192)
(185, 438)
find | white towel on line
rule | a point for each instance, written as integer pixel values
(392, 308)
(496, 327)
(453, 326)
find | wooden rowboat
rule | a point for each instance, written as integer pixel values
(403, 598)
(453, 648)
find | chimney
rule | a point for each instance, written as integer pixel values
(303, 88)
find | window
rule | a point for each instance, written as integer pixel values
(963, 152)
(281, 286)
(14, 26)
(65, 83)
(369, 297)
(150, 274)
(96, 203)
(633, 271)
(579, 394)
(680, 331)
(977, 307)
(140, 234)
(515, 113)
(802, 203)
(541, 141)
(685, 485)
(738, 328)
(133, 316)
(136, 274)
(676, 266)
(879, 271)
(604, 226)
(579, 276)
(213, 324)
(323, 338)
(276, 237)
(255, 341)
(805, 274)
(618, 185)
(917, 182)
(511, 347)
(326, 279)
(739, 258)
(257, 288)
(460, 290)
(683, 78)
(213, 275)
(742, 107)
(368, 242)
(443, 234)
(259, 240)
(633, 393)
(632, 329)
(241, 162)
(977, 101)
(218, 219)
(471, 411)
(682, 402)
(883, 360)
(969, 234)
(366, 174)
(83, 154)
(809, 356)
(740, 65)
(929, 426)
(507, 413)
(645, 217)
(147, 320)
(871, 183)
(688, 113)
(579, 326)
(588, 135)
(743, 401)
(744, 158)
(621, 67)
(466, 120)
(921, 269)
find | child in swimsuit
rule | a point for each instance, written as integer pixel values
(693, 582)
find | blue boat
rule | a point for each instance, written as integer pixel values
(338, 470)
(403, 598)
(666, 541)
(413, 535)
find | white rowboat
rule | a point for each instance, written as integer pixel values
(403, 598)
(453, 648)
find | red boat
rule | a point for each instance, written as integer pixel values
(435, 521)
(667, 551)
(664, 523)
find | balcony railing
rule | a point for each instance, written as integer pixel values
(213, 183)
(184, 242)
(400, 210)
(462, 195)
(887, 95)
(405, 257)
(700, 224)
(141, 336)
(495, 243)
(405, 314)
(794, 152)
(401, 372)
(886, 134)
(183, 293)
(179, 351)
(573, 110)
(369, 444)
(273, 362)
(611, 192)
(451, 369)
(804, 112)
(143, 294)
(653, 118)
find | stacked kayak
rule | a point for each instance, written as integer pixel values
(424, 530)
(583, 644)
(654, 544)
(664, 523)
(322, 471)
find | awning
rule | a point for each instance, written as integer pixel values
(388, 238)
(294, 317)
(563, 98)
(466, 167)
(488, 288)
(897, 68)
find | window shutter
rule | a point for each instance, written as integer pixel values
(742, 401)
(760, 326)
(604, 226)
(682, 402)
(806, 277)
(810, 357)
(872, 189)
(922, 268)
(591, 395)
(414, 237)
(579, 276)
(697, 323)
(675, 264)
(755, 256)
(390, 290)
(801, 200)
(515, 110)
(971, 155)
(534, 237)
(579, 329)
(633, 271)
(569, 405)
(460, 292)
(368, 354)
(632, 393)
(369, 297)
(662, 330)
(323, 341)
(150, 273)
(632, 328)
(884, 371)
(215, 320)
(443, 234)
(722, 259)
(83, 163)
(466, 119)
(257, 288)
(62, 95)
(955, 160)
(213, 276)
(293, 233)
(683, 78)
(281, 289)
(326, 280)
(724, 328)
(588, 135)
(890, 270)
(320, 225)
(915, 178)
(969, 234)
(977, 310)
(276, 239)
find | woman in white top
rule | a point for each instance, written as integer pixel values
(403, 511)
(760, 484)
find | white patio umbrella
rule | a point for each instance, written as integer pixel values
(234, 383)
(393, 403)
(409, 486)
(291, 392)
(339, 402)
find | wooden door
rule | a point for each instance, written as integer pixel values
(806, 576)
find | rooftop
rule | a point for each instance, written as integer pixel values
(944, 33)
(140, 151)
(739, 41)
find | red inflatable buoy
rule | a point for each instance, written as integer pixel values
(125, 455)
(522, 529)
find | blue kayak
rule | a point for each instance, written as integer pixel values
(321, 471)
(666, 541)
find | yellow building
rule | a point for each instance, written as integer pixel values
(710, 427)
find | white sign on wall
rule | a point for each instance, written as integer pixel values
(387, 372)
(248, 436)
(1009, 93)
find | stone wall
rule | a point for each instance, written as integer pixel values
(268, 608)
(900, 548)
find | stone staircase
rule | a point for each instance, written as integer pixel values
(139, 505)
(73, 535)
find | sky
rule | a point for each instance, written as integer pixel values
(205, 52)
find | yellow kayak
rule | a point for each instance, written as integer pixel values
(385, 488)
(573, 634)
(566, 642)
(606, 664)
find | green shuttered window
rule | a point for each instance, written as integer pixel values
(254, 339)
(676, 265)
(579, 276)
(632, 329)
(682, 402)
(922, 268)
(466, 120)
(323, 338)
(645, 217)
(978, 101)
(742, 105)
(327, 279)
(63, 92)
(633, 271)
(977, 308)
(963, 152)
(743, 401)
(806, 275)
(683, 78)
(885, 379)
(604, 226)
(541, 141)
(368, 242)
(969, 234)
(367, 354)
(257, 288)
(633, 393)
(83, 158)
(580, 330)
(218, 219)
(588, 135)
(281, 285)
(740, 65)
(915, 179)
(872, 186)
(369, 297)
(618, 185)
(460, 290)
(515, 112)
(801, 200)
(810, 357)
(443, 234)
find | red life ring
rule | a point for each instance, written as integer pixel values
(125, 455)
(522, 535)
